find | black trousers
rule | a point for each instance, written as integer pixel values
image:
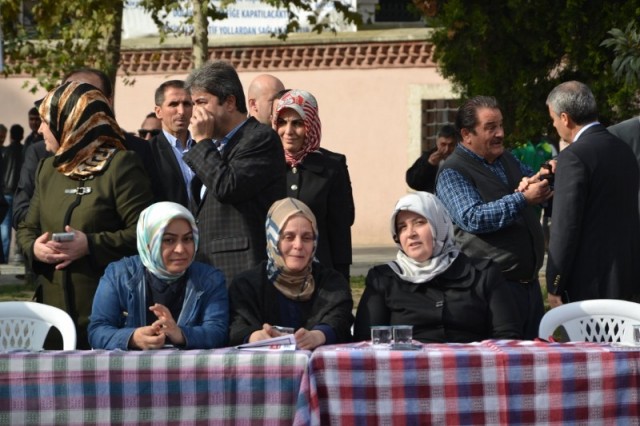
(527, 297)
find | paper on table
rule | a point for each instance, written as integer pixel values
(280, 343)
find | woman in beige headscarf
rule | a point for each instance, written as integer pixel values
(290, 289)
(91, 189)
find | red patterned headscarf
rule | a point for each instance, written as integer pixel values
(80, 118)
(306, 106)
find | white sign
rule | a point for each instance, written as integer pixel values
(244, 17)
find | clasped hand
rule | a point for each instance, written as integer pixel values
(61, 253)
(155, 336)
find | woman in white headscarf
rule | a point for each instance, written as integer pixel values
(161, 297)
(291, 289)
(445, 295)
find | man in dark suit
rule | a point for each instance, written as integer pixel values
(173, 108)
(629, 132)
(421, 176)
(241, 164)
(34, 125)
(595, 237)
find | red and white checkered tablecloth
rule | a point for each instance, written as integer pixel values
(224, 386)
(490, 383)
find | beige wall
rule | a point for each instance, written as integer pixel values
(371, 116)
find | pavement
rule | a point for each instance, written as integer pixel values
(363, 259)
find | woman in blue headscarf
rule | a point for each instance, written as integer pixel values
(161, 297)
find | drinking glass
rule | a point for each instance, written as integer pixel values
(381, 336)
(402, 335)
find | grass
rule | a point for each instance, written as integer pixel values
(10, 292)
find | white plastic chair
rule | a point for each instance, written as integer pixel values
(24, 325)
(598, 320)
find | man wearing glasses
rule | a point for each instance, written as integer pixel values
(150, 127)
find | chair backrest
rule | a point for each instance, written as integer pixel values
(24, 325)
(598, 320)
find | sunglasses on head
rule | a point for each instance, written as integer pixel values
(144, 132)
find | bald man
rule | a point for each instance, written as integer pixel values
(260, 96)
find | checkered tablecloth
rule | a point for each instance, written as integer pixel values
(488, 383)
(224, 386)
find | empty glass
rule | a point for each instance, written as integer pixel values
(636, 334)
(402, 335)
(381, 336)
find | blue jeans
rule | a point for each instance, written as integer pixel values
(5, 229)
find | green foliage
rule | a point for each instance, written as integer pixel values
(77, 33)
(69, 34)
(518, 50)
(626, 45)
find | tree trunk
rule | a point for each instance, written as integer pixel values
(200, 39)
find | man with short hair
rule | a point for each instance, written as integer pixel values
(241, 164)
(173, 108)
(34, 124)
(490, 198)
(260, 96)
(421, 176)
(150, 127)
(595, 237)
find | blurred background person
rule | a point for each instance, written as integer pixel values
(260, 97)
(91, 188)
(33, 117)
(431, 285)
(150, 127)
(421, 176)
(11, 164)
(317, 177)
(169, 299)
(290, 289)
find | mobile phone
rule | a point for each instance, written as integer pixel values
(283, 330)
(62, 236)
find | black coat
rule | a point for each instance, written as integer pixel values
(468, 302)
(594, 245)
(421, 176)
(242, 183)
(171, 184)
(254, 301)
(322, 182)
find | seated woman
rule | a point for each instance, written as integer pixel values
(140, 297)
(445, 295)
(290, 289)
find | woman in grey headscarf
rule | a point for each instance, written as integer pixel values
(445, 295)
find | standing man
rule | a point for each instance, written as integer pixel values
(260, 96)
(173, 108)
(11, 163)
(421, 176)
(490, 199)
(34, 125)
(150, 127)
(241, 164)
(629, 132)
(595, 237)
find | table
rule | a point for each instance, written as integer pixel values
(491, 382)
(222, 386)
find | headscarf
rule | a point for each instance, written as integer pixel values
(83, 123)
(151, 226)
(293, 285)
(306, 105)
(445, 249)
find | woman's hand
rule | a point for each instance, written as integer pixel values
(148, 337)
(68, 251)
(43, 251)
(167, 325)
(309, 340)
(267, 332)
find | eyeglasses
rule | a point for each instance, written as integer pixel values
(144, 132)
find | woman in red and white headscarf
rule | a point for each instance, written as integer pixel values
(92, 190)
(316, 176)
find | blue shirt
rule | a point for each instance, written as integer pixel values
(179, 152)
(466, 206)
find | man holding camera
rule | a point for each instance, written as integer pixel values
(595, 237)
(490, 197)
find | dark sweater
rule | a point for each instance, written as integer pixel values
(255, 301)
(468, 302)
